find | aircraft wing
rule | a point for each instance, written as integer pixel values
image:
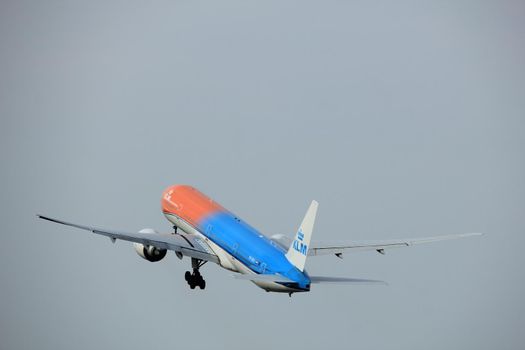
(185, 244)
(324, 248)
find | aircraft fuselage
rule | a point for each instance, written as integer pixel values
(239, 246)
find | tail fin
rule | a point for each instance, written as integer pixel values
(299, 249)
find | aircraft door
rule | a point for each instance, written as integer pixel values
(209, 231)
(263, 267)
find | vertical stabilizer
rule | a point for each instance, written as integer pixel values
(299, 249)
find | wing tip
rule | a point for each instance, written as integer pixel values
(43, 217)
(470, 234)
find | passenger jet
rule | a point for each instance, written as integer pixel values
(205, 231)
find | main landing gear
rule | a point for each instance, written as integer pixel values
(195, 279)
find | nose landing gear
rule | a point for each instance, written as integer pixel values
(194, 278)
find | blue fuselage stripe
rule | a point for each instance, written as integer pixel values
(254, 250)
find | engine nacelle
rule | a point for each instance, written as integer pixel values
(149, 252)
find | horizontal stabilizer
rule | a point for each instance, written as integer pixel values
(344, 280)
(263, 278)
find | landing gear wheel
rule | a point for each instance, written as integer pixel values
(202, 284)
(194, 278)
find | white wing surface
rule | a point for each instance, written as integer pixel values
(338, 248)
(185, 244)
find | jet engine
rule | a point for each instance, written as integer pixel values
(149, 252)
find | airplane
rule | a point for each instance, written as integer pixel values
(205, 231)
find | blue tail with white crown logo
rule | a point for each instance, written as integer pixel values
(298, 250)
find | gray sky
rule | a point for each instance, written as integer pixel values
(401, 118)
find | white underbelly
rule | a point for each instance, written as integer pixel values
(226, 260)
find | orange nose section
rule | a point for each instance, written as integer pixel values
(188, 203)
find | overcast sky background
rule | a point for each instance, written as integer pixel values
(403, 119)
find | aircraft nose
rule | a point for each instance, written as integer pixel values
(167, 201)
